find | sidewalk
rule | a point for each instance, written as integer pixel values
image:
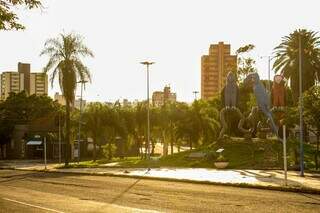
(269, 179)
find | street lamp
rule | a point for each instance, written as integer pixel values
(82, 82)
(269, 70)
(195, 94)
(148, 63)
(301, 110)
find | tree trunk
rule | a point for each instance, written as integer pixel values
(109, 150)
(145, 147)
(171, 143)
(190, 141)
(165, 144)
(1, 151)
(152, 147)
(94, 148)
(67, 141)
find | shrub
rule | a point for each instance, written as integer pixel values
(221, 159)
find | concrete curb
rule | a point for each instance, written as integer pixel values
(307, 190)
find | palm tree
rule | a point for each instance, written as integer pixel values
(287, 59)
(65, 53)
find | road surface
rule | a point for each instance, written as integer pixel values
(22, 191)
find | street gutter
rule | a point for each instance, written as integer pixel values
(307, 190)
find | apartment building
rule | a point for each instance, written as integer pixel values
(23, 80)
(214, 69)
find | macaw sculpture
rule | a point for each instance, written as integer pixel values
(262, 97)
(230, 98)
(278, 92)
(230, 93)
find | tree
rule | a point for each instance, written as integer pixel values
(65, 54)
(312, 114)
(287, 59)
(8, 18)
(94, 119)
(246, 64)
(19, 108)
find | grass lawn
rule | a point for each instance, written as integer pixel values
(257, 154)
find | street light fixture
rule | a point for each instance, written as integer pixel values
(195, 94)
(269, 70)
(148, 63)
(82, 82)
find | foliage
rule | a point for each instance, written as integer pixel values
(287, 59)
(221, 158)
(22, 109)
(246, 64)
(65, 53)
(109, 150)
(8, 17)
(312, 107)
(312, 114)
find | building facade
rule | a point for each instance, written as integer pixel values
(59, 98)
(23, 80)
(214, 69)
(159, 98)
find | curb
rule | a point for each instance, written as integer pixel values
(307, 190)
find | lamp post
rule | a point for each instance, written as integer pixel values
(59, 139)
(82, 82)
(148, 63)
(301, 110)
(269, 70)
(195, 94)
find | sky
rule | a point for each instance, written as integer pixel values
(172, 33)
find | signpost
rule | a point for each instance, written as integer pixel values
(45, 152)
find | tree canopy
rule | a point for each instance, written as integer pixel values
(8, 18)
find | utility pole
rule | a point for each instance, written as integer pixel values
(147, 63)
(301, 111)
(82, 82)
(59, 138)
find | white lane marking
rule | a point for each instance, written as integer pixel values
(27, 204)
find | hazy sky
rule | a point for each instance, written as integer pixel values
(173, 33)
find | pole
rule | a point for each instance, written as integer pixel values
(269, 86)
(148, 126)
(301, 110)
(147, 63)
(195, 95)
(79, 137)
(285, 154)
(59, 140)
(45, 153)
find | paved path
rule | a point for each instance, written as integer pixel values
(29, 191)
(262, 178)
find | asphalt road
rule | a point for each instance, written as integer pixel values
(48, 192)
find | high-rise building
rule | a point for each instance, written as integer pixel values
(23, 80)
(159, 98)
(214, 69)
(59, 98)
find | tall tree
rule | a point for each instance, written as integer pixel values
(65, 53)
(312, 114)
(287, 59)
(94, 119)
(8, 17)
(246, 64)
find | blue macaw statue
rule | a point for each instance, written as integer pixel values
(230, 92)
(262, 97)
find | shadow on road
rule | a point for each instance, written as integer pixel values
(127, 189)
